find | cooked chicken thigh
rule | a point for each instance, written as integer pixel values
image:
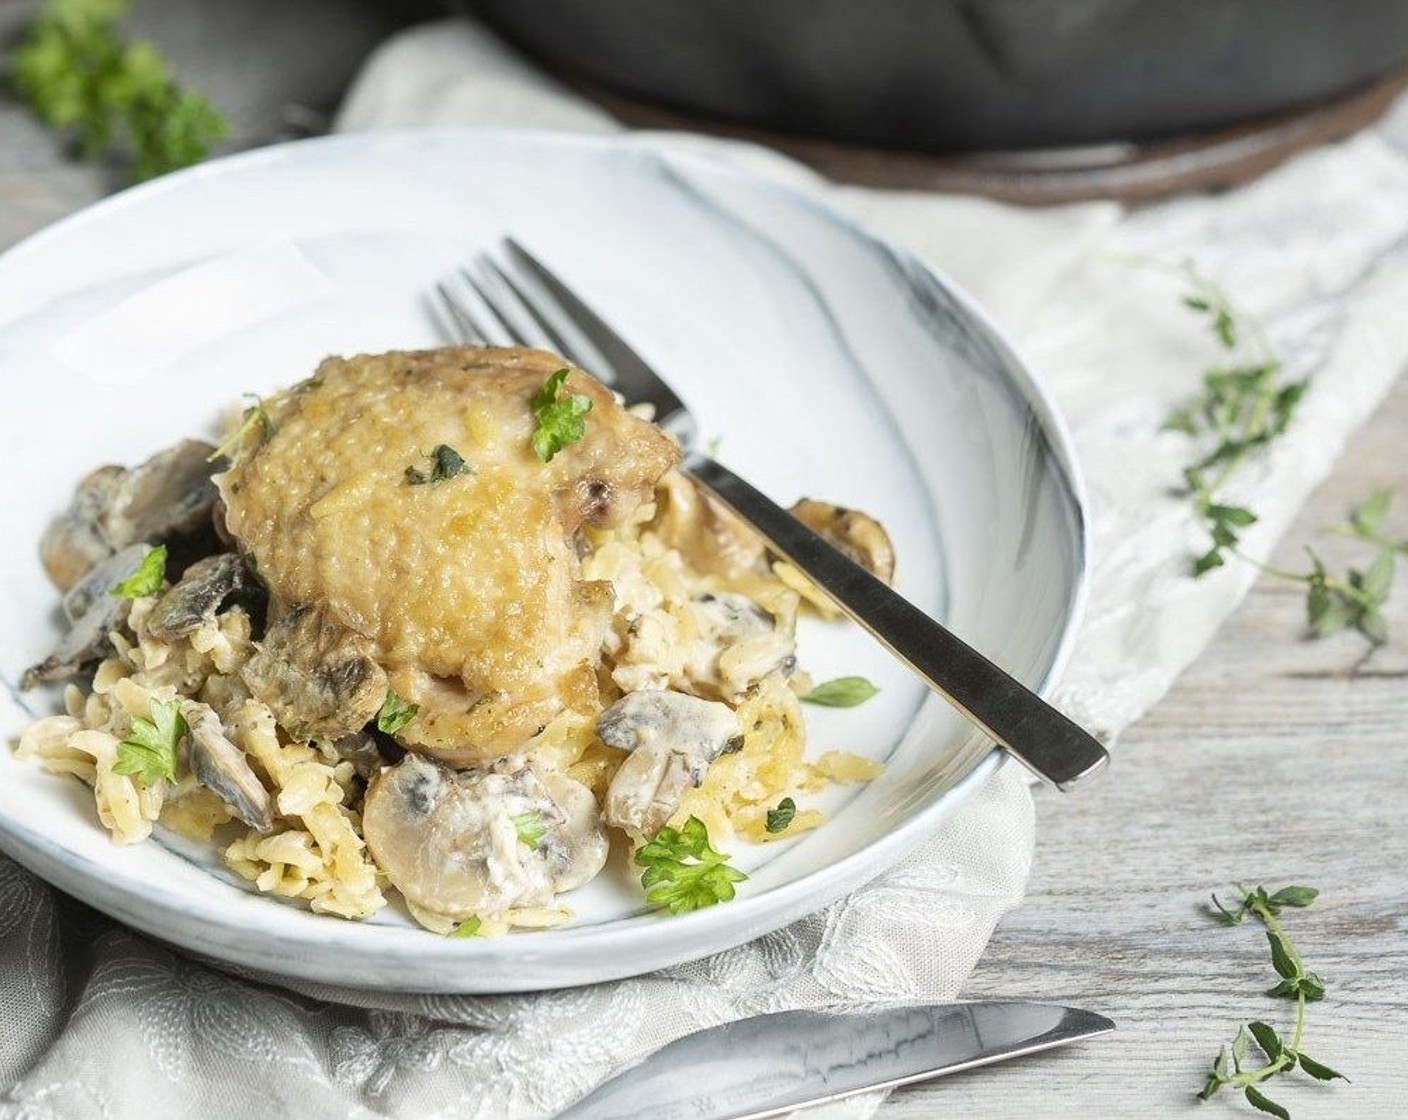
(464, 580)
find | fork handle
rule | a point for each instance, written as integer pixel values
(1049, 744)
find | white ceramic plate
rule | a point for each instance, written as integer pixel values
(829, 364)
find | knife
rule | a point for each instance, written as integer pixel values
(769, 1065)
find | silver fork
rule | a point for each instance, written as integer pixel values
(1053, 747)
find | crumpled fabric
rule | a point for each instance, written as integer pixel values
(101, 1022)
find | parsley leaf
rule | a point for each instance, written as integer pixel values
(467, 928)
(445, 464)
(78, 74)
(682, 872)
(843, 692)
(781, 817)
(394, 714)
(149, 751)
(147, 579)
(559, 419)
(530, 827)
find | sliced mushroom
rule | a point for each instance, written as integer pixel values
(449, 842)
(316, 675)
(93, 613)
(857, 534)
(198, 596)
(167, 499)
(672, 738)
(367, 752)
(170, 495)
(709, 536)
(222, 767)
(576, 849)
(97, 585)
(73, 543)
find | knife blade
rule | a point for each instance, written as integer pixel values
(771, 1064)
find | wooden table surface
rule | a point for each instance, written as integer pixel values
(1274, 760)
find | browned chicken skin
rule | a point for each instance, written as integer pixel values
(466, 588)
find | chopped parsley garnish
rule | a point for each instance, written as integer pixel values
(467, 928)
(781, 817)
(682, 872)
(559, 419)
(445, 464)
(147, 579)
(149, 751)
(843, 692)
(530, 827)
(395, 713)
(1244, 408)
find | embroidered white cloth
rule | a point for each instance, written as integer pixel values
(97, 1021)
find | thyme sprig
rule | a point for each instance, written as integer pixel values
(115, 96)
(254, 420)
(1244, 406)
(1230, 1069)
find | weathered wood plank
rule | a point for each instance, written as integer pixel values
(1273, 759)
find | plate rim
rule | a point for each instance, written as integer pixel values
(711, 932)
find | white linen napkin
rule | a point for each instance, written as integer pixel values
(1317, 250)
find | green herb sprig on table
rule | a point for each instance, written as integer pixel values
(1356, 600)
(682, 872)
(1244, 406)
(1230, 1069)
(148, 578)
(78, 74)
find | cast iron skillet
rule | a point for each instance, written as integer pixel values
(965, 75)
